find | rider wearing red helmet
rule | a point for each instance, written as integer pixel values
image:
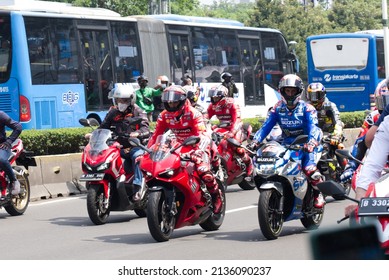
(225, 109)
(184, 121)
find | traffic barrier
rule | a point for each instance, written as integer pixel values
(58, 175)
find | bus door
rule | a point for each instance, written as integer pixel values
(97, 68)
(251, 71)
(181, 58)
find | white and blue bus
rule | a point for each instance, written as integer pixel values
(349, 65)
(58, 62)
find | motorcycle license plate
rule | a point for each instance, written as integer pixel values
(371, 206)
(92, 177)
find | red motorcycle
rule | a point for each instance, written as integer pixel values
(108, 179)
(20, 160)
(177, 196)
(233, 168)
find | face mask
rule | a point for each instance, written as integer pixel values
(122, 107)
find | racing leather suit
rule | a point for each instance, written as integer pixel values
(228, 112)
(189, 123)
(293, 122)
(329, 118)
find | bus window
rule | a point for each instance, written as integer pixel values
(274, 52)
(127, 59)
(380, 59)
(52, 51)
(5, 48)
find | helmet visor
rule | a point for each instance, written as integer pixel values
(171, 96)
(316, 96)
(215, 93)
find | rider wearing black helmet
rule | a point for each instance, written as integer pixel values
(228, 82)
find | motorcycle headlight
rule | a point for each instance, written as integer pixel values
(103, 166)
(167, 173)
(86, 167)
(266, 169)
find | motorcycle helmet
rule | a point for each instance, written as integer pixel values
(192, 93)
(217, 93)
(316, 94)
(164, 81)
(123, 94)
(225, 77)
(174, 94)
(381, 95)
(291, 81)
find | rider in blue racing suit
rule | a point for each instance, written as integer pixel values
(295, 117)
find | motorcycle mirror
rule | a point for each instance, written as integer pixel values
(134, 142)
(192, 140)
(346, 154)
(334, 189)
(89, 122)
(233, 142)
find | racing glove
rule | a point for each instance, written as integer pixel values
(310, 146)
(5, 146)
(253, 145)
(346, 175)
(196, 156)
(335, 140)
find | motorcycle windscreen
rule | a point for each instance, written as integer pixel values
(98, 141)
(162, 146)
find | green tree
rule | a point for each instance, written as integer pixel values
(355, 15)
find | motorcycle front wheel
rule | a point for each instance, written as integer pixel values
(18, 204)
(161, 223)
(270, 218)
(97, 211)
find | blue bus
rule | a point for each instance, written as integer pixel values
(349, 65)
(59, 62)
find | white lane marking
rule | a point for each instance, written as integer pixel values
(241, 209)
(55, 200)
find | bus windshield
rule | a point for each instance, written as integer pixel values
(340, 54)
(349, 65)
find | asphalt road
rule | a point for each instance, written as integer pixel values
(60, 229)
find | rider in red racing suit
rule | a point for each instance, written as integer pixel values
(225, 109)
(184, 121)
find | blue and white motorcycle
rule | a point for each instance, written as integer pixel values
(285, 193)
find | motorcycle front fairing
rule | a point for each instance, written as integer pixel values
(178, 179)
(275, 166)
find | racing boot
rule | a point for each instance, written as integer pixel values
(248, 163)
(319, 199)
(217, 201)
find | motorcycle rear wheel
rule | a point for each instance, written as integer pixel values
(18, 204)
(270, 219)
(94, 203)
(313, 216)
(160, 223)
